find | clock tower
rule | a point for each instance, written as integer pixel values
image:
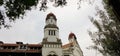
(52, 45)
(51, 31)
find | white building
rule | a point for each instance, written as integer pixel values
(52, 45)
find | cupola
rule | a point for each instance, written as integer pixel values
(51, 19)
(51, 15)
(72, 36)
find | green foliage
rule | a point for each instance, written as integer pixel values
(57, 3)
(115, 6)
(15, 9)
(1, 19)
(107, 38)
(1, 2)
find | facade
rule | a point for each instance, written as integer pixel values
(20, 49)
(51, 44)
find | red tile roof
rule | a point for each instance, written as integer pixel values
(27, 51)
(67, 45)
(34, 45)
(9, 44)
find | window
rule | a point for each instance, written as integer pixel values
(52, 32)
(52, 55)
(23, 47)
(49, 32)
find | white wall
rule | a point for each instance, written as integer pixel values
(45, 51)
(46, 32)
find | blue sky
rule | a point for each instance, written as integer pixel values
(69, 19)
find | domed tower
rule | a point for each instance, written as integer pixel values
(72, 37)
(75, 46)
(52, 45)
(51, 31)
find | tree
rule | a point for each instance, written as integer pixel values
(15, 9)
(107, 38)
(115, 4)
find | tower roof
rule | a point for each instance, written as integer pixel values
(51, 26)
(72, 35)
(51, 14)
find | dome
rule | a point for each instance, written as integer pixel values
(72, 35)
(51, 14)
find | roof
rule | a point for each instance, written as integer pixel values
(27, 51)
(71, 35)
(34, 45)
(50, 14)
(21, 50)
(51, 26)
(8, 44)
(52, 42)
(46, 42)
(16, 45)
(1, 42)
(67, 45)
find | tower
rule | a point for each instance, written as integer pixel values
(75, 46)
(72, 37)
(52, 45)
(51, 31)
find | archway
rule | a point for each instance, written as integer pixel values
(52, 53)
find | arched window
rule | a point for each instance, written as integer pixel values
(49, 55)
(52, 53)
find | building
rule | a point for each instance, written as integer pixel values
(50, 46)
